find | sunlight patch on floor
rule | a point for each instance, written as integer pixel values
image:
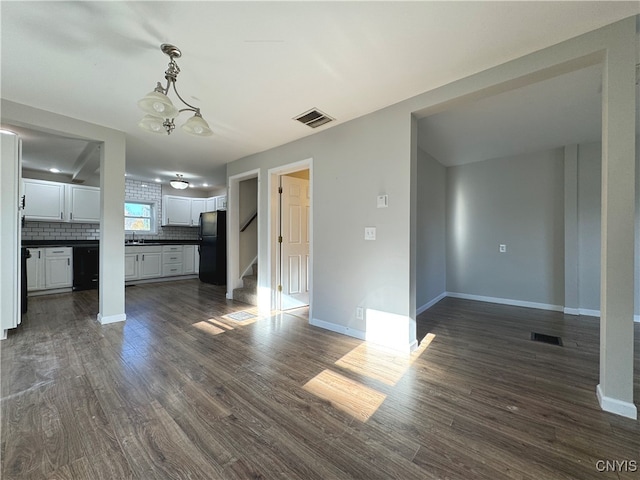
(209, 328)
(345, 394)
(380, 363)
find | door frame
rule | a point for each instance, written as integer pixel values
(233, 229)
(273, 175)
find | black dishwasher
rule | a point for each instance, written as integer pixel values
(85, 267)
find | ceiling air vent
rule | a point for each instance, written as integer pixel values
(314, 118)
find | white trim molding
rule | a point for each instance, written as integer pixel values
(619, 407)
(120, 317)
(431, 303)
(506, 301)
(334, 327)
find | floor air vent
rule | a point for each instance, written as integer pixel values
(541, 337)
(314, 118)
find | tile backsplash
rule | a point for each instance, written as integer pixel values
(134, 190)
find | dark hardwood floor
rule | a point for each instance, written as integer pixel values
(181, 390)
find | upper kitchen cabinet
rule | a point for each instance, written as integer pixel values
(44, 200)
(198, 206)
(61, 202)
(176, 211)
(216, 203)
(185, 211)
(211, 204)
(83, 204)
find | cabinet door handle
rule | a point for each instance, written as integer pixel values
(136, 258)
(39, 254)
(71, 216)
(58, 251)
(69, 261)
(143, 257)
(23, 201)
(61, 216)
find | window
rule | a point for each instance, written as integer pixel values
(138, 217)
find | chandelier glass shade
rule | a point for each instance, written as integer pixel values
(179, 183)
(160, 110)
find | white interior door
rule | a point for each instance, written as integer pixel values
(294, 230)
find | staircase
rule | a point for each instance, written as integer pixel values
(249, 291)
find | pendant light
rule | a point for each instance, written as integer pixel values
(161, 112)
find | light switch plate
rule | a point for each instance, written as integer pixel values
(383, 201)
(503, 248)
(369, 233)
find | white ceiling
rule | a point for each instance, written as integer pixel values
(252, 66)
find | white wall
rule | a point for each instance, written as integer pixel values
(431, 230)
(515, 201)
(589, 193)
(353, 163)
(248, 197)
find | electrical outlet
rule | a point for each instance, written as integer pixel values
(360, 313)
(503, 248)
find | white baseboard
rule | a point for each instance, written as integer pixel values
(104, 320)
(591, 313)
(506, 301)
(430, 303)
(619, 407)
(351, 332)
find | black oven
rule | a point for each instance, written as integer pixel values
(85, 267)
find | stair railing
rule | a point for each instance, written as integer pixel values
(246, 224)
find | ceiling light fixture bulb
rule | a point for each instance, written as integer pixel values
(197, 126)
(152, 124)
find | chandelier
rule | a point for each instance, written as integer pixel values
(179, 183)
(160, 111)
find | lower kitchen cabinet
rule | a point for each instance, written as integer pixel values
(158, 261)
(150, 265)
(142, 262)
(35, 270)
(50, 268)
(189, 260)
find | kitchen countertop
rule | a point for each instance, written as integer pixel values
(96, 243)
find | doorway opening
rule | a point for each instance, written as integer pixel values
(290, 239)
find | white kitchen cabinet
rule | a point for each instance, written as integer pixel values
(176, 211)
(188, 262)
(142, 262)
(182, 211)
(35, 270)
(131, 261)
(172, 260)
(221, 202)
(150, 265)
(83, 204)
(196, 260)
(58, 270)
(44, 201)
(211, 204)
(198, 206)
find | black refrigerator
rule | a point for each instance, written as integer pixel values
(213, 247)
